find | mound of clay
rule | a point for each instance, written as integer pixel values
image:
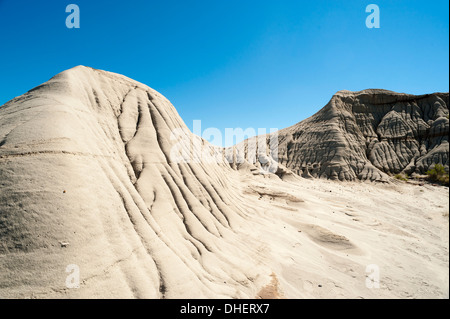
(90, 158)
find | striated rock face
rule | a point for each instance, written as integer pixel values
(369, 135)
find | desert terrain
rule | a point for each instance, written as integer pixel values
(99, 171)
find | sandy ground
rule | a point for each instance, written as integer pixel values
(327, 233)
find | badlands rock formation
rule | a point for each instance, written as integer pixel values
(369, 135)
(86, 159)
(99, 173)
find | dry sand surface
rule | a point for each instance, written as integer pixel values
(87, 178)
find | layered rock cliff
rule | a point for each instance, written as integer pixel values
(369, 135)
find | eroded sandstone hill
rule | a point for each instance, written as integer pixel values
(369, 135)
(85, 164)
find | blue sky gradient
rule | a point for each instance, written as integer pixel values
(260, 64)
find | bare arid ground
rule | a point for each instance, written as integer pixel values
(327, 233)
(88, 179)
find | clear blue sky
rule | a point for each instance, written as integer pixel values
(260, 64)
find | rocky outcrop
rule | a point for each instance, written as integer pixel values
(369, 135)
